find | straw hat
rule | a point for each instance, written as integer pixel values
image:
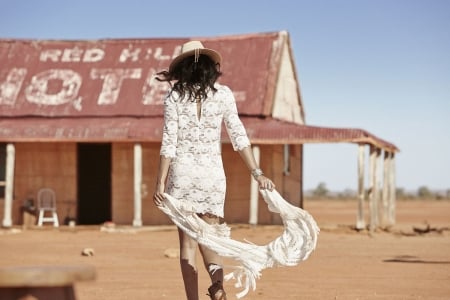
(195, 48)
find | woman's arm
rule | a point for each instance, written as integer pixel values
(164, 163)
(249, 159)
(240, 141)
(168, 147)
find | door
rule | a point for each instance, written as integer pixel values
(94, 183)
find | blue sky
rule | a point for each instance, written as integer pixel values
(382, 65)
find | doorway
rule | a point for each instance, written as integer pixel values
(93, 183)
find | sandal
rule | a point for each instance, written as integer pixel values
(216, 291)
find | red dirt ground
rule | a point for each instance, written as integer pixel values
(130, 263)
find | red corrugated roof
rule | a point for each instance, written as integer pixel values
(91, 129)
(270, 131)
(115, 77)
(104, 90)
(260, 131)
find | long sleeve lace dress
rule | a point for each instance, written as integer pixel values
(193, 142)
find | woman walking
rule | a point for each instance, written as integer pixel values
(191, 168)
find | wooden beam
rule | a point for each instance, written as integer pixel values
(137, 220)
(392, 194)
(373, 190)
(9, 185)
(360, 223)
(377, 191)
(301, 196)
(386, 189)
(254, 190)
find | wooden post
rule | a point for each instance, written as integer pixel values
(137, 221)
(377, 190)
(254, 191)
(392, 190)
(286, 159)
(301, 177)
(373, 190)
(9, 184)
(360, 223)
(386, 189)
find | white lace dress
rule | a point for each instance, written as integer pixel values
(193, 142)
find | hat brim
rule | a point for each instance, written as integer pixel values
(213, 54)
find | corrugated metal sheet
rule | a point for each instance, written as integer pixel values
(104, 90)
(272, 131)
(116, 77)
(95, 129)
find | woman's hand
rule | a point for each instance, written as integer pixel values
(265, 183)
(158, 196)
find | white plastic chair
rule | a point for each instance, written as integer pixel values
(46, 201)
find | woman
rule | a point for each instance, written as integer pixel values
(191, 160)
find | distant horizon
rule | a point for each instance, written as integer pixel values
(409, 191)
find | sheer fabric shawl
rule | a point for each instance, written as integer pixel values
(294, 245)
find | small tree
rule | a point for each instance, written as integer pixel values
(321, 190)
(424, 192)
(400, 193)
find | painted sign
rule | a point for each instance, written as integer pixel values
(117, 77)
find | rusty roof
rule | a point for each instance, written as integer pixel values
(104, 90)
(115, 77)
(125, 129)
(271, 131)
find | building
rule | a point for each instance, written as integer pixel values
(85, 117)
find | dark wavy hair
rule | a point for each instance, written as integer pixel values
(193, 79)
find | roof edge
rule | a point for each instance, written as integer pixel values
(124, 39)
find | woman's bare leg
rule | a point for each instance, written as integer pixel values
(188, 251)
(213, 262)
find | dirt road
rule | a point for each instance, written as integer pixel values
(130, 263)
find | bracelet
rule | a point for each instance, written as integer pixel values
(257, 172)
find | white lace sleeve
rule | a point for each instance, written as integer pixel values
(233, 124)
(170, 130)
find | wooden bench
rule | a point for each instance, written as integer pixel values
(42, 282)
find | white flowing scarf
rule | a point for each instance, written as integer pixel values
(294, 245)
